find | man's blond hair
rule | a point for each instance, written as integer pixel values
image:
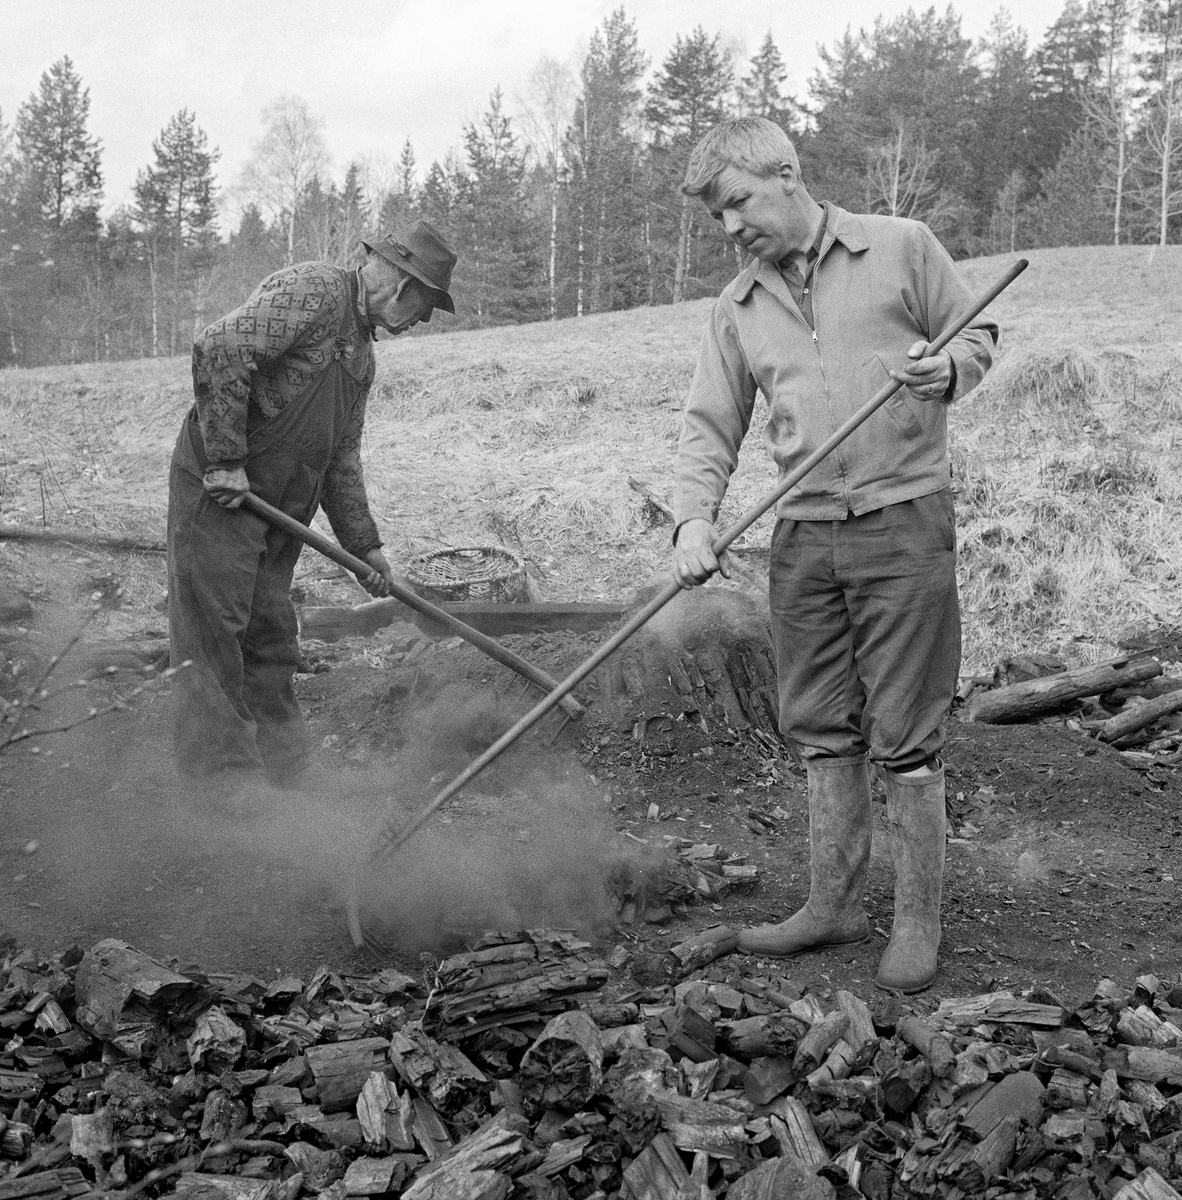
(752, 144)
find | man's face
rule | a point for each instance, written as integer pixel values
(397, 304)
(758, 213)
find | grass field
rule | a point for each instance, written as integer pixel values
(1067, 460)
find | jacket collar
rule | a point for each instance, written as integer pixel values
(844, 227)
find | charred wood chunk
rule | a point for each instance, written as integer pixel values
(657, 1173)
(478, 1167)
(932, 1044)
(902, 1086)
(1019, 1095)
(437, 1070)
(758, 1037)
(341, 1069)
(683, 1031)
(563, 1069)
(819, 1040)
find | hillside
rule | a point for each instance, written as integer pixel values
(1066, 460)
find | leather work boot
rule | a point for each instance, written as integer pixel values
(839, 853)
(915, 820)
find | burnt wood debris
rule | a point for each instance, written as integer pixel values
(529, 1067)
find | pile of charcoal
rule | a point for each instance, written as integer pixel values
(530, 1067)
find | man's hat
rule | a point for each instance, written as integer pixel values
(423, 251)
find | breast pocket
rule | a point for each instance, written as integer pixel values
(900, 407)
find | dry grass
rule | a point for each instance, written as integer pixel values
(1066, 460)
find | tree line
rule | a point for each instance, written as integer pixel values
(566, 201)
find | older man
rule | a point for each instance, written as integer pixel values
(862, 577)
(280, 386)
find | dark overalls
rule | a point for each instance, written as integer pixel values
(230, 573)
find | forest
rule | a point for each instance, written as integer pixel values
(565, 200)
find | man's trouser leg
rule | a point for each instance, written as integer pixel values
(270, 657)
(213, 561)
(867, 631)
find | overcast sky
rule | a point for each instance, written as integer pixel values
(377, 71)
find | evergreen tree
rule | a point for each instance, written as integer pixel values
(175, 208)
(400, 203)
(499, 245)
(603, 150)
(688, 95)
(60, 159)
(56, 278)
(911, 81)
(761, 93)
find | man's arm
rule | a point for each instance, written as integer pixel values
(715, 419)
(346, 505)
(945, 297)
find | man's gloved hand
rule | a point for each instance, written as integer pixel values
(693, 560)
(227, 487)
(926, 377)
(378, 581)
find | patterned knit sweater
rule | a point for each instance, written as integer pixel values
(258, 357)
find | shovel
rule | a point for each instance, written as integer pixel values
(393, 835)
(350, 562)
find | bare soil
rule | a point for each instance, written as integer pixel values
(1061, 864)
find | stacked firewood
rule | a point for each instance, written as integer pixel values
(528, 1067)
(1126, 701)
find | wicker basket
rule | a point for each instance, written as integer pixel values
(493, 573)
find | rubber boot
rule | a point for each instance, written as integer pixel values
(915, 821)
(839, 854)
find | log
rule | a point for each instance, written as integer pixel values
(1067, 1089)
(933, 1045)
(703, 948)
(1136, 716)
(110, 974)
(564, 1067)
(1021, 701)
(1153, 1066)
(758, 1037)
(1143, 1027)
(329, 623)
(341, 1069)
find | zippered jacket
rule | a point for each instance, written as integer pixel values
(879, 284)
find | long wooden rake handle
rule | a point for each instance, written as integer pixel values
(350, 562)
(391, 837)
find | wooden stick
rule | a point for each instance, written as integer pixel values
(411, 599)
(82, 537)
(391, 837)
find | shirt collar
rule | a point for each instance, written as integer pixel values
(836, 226)
(359, 306)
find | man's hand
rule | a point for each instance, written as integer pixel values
(926, 378)
(693, 560)
(378, 581)
(227, 487)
